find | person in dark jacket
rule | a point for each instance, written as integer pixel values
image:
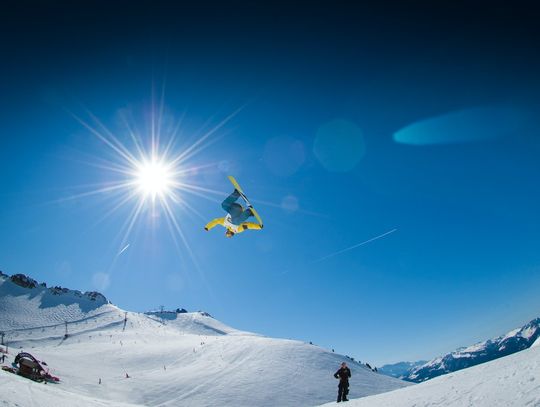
(343, 375)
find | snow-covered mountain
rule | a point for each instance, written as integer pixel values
(25, 303)
(510, 381)
(400, 369)
(514, 341)
(111, 357)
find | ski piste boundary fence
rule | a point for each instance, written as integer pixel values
(62, 330)
(80, 329)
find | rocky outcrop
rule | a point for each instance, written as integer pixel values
(23, 281)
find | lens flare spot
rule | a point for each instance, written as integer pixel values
(466, 126)
(339, 145)
(290, 204)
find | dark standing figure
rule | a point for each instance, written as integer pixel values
(343, 375)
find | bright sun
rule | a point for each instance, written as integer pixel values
(154, 173)
(154, 178)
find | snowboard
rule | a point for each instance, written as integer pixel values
(244, 197)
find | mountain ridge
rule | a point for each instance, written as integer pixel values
(516, 340)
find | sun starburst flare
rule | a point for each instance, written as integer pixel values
(151, 175)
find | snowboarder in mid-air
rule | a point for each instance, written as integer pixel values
(343, 375)
(236, 219)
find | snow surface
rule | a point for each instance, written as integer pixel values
(187, 360)
(511, 381)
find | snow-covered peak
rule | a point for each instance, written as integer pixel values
(25, 303)
(24, 281)
(196, 323)
(514, 341)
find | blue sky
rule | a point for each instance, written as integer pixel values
(343, 134)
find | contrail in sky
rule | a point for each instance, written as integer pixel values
(123, 250)
(355, 246)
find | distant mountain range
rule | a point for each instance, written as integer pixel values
(514, 341)
(400, 369)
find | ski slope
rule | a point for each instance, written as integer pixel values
(188, 359)
(511, 381)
